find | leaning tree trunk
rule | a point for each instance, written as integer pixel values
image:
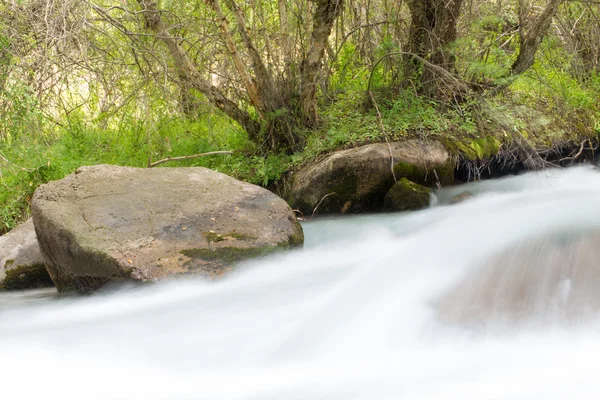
(530, 40)
(278, 109)
(276, 120)
(432, 31)
(190, 75)
(325, 15)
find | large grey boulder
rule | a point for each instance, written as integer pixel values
(107, 223)
(357, 180)
(21, 261)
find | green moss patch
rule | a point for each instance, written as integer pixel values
(346, 188)
(406, 195)
(226, 256)
(409, 171)
(297, 239)
(213, 237)
(474, 149)
(27, 277)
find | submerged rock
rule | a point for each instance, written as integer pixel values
(107, 223)
(459, 198)
(406, 195)
(357, 180)
(21, 261)
(547, 279)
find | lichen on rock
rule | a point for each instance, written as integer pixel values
(21, 261)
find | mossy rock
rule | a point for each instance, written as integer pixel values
(459, 198)
(21, 261)
(342, 189)
(356, 180)
(295, 240)
(26, 277)
(474, 149)
(406, 195)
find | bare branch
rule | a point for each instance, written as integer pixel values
(168, 159)
(189, 72)
(235, 56)
(262, 74)
(325, 15)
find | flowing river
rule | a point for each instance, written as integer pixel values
(388, 306)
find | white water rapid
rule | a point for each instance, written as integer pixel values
(354, 315)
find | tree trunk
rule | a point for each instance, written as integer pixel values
(274, 102)
(284, 26)
(432, 30)
(530, 41)
(264, 79)
(325, 15)
(190, 75)
(247, 80)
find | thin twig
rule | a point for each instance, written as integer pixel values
(6, 160)
(164, 160)
(323, 198)
(385, 136)
(296, 211)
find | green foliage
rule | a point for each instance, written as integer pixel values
(350, 73)
(21, 116)
(27, 161)
(387, 68)
(551, 89)
(485, 55)
(123, 109)
(353, 121)
(255, 169)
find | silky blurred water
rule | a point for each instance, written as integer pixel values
(354, 315)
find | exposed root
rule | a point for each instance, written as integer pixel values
(510, 159)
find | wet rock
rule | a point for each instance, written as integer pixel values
(406, 195)
(21, 261)
(107, 223)
(459, 198)
(357, 180)
(545, 280)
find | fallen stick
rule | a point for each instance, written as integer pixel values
(164, 160)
